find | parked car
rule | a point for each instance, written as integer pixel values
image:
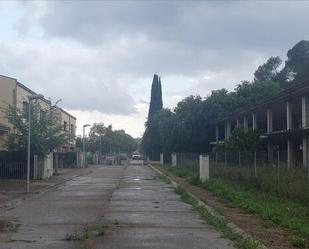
(137, 159)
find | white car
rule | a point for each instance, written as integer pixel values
(137, 159)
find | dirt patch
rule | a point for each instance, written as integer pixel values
(272, 237)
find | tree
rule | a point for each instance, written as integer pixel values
(250, 93)
(241, 140)
(46, 130)
(151, 141)
(269, 70)
(156, 96)
(297, 65)
(110, 140)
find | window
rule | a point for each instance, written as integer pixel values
(25, 109)
(65, 125)
(42, 114)
(72, 130)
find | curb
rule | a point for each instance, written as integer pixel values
(235, 229)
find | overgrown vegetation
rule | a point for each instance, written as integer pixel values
(290, 183)
(219, 222)
(275, 210)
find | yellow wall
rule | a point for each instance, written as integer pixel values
(7, 97)
(7, 92)
(70, 120)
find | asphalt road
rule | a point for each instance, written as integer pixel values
(137, 208)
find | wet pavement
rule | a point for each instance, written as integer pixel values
(44, 220)
(140, 210)
(148, 214)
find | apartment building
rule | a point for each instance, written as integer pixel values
(68, 123)
(16, 94)
(284, 120)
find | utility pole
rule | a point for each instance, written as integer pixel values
(31, 97)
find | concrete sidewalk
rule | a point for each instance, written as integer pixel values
(12, 192)
(145, 213)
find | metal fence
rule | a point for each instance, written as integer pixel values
(267, 173)
(188, 161)
(13, 165)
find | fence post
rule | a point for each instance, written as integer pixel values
(56, 163)
(161, 158)
(174, 159)
(35, 167)
(278, 169)
(239, 159)
(255, 170)
(204, 168)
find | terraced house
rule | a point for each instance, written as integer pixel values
(16, 94)
(284, 120)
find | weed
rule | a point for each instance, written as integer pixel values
(219, 222)
(87, 233)
(298, 242)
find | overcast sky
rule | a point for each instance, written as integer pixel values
(100, 57)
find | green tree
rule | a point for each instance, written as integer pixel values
(269, 70)
(156, 96)
(297, 65)
(241, 140)
(151, 140)
(46, 130)
(250, 93)
(110, 140)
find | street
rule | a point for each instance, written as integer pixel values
(137, 209)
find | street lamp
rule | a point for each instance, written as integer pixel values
(31, 97)
(84, 153)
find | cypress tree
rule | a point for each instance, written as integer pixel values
(156, 97)
(151, 141)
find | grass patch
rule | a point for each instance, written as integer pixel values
(219, 222)
(87, 233)
(191, 175)
(275, 210)
(298, 242)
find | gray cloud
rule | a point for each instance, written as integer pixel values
(245, 25)
(101, 51)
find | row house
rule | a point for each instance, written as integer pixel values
(16, 94)
(283, 119)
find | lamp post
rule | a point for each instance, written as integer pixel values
(84, 152)
(31, 97)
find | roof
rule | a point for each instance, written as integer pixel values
(32, 92)
(7, 77)
(295, 90)
(67, 113)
